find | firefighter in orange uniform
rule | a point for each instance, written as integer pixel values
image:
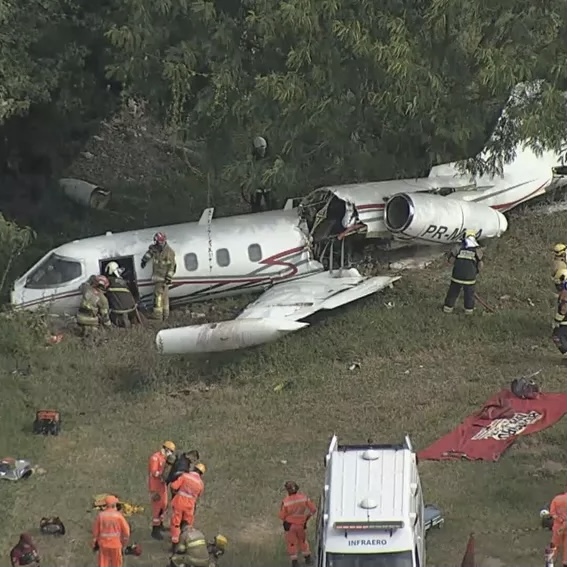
(187, 489)
(558, 511)
(295, 511)
(110, 534)
(158, 487)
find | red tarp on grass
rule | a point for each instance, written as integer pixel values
(487, 434)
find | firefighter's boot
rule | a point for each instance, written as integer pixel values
(294, 563)
(156, 533)
(308, 560)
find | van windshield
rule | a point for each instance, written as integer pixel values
(54, 271)
(398, 559)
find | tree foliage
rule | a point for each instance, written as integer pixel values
(343, 90)
(13, 241)
(347, 90)
(52, 66)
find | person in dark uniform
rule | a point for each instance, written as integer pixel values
(261, 197)
(181, 464)
(120, 299)
(559, 335)
(467, 260)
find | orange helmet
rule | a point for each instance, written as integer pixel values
(110, 500)
(160, 238)
(102, 282)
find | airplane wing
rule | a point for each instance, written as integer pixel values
(276, 312)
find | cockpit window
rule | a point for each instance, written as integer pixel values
(54, 271)
(398, 559)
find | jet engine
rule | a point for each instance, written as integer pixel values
(442, 220)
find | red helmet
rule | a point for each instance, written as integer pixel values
(102, 282)
(160, 238)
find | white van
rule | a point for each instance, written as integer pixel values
(371, 509)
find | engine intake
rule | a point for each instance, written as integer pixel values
(436, 219)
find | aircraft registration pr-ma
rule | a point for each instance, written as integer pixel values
(297, 255)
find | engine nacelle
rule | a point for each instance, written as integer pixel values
(442, 220)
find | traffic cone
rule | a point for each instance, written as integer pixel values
(468, 557)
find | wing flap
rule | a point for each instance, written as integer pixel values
(300, 298)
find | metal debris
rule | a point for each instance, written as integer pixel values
(15, 469)
(354, 365)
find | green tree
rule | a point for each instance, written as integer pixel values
(52, 65)
(346, 90)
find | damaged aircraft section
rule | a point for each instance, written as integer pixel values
(302, 259)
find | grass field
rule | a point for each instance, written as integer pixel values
(421, 372)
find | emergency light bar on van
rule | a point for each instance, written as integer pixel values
(369, 525)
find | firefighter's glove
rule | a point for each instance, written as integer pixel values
(95, 547)
(168, 280)
(155, 496)
(143, 263)
(305, 525)
(286, 526)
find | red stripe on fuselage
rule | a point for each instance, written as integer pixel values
(270, 261)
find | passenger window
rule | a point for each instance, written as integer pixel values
(223, 257)
(191, 262)
(54, 271)
(254, 252)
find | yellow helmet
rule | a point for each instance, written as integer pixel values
(560, 276)
(469, 233)
(560, 248)
(220, 541)
(169, 445)
(201, 468)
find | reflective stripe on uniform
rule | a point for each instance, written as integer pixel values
(109, 534)
(463, 282)
(187, 494)
(196, 543)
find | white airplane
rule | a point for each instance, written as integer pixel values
(295, 255)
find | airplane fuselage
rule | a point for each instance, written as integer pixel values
(217, 257)
(240, 254)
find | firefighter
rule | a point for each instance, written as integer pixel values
(261, 198)
(93, 309)
(559, 335)
(164, 266)
(194, 551)
(187, 488)
(158, 487)
(24, 552)
(467, 260)
(559, 257)
(120, 299)
(559, 264)
(111, 533)
(558, 511)
(295, 511)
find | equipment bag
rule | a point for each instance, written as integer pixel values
(47, 422)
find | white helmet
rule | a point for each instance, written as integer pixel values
(260, 143)
(113, 269)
